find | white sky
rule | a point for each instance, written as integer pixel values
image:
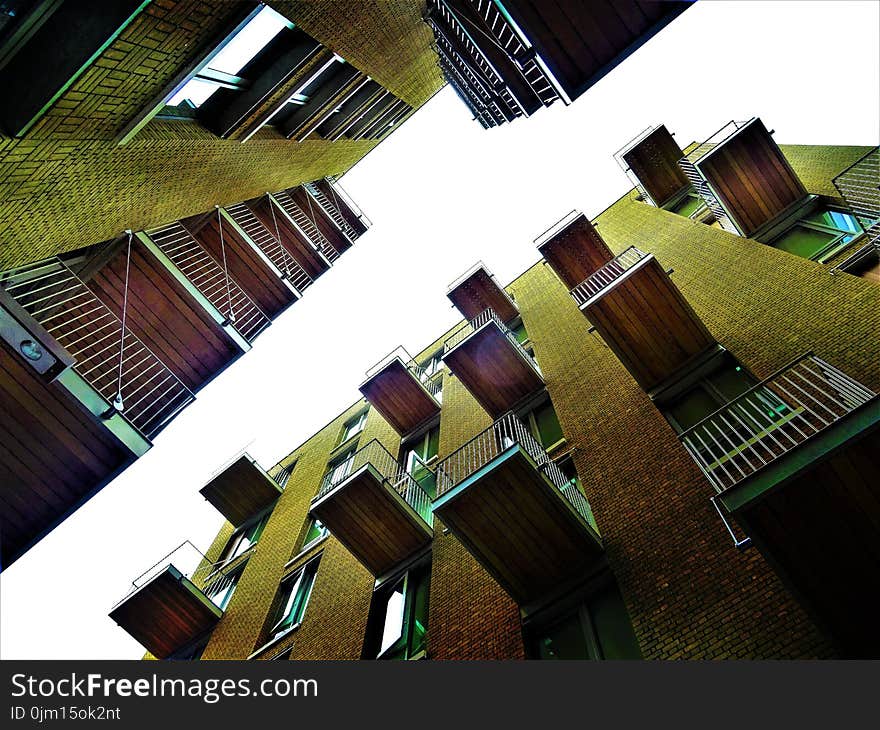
(442, 193)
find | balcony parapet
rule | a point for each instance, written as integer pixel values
(605, 276)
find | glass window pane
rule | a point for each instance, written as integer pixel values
(804, 242)
(731, 381)
(520, 333)
(835, 219)
(314, 531)
(564, 640)
(393, 624)
(549, 430)
(687, 205)
(419, 615)
(612, 627)
(432, 444)
(692, 407)
(195, 91)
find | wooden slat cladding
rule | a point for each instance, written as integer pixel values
(241, 491)
(822, 531)
(350, 216)
(302, 120)
(293, 240)
(520, 528)
(163, 315)
(246, 267)
(166, 614)
(648, 324)
(575, 251)
(654, 161)
(400, 398)
(478, 292)
(53, 455)
(582, 41)
(319, 217)
(494, 371)
(751, 177)
(367, 517)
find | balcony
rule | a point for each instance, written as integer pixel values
(487, 358)
(514, 510)
(165, 610)
(643, 317)
(476, 290)
(402, 393)
(651, 162)
(794, 460)
(331, 191)
(857, 185)
(375, 509)
(241, 490)
(745, 180)
(573, 249)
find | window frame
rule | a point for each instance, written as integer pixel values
(527, 415)
(834, 246)
(359, 420)
(409, 454)
(233, 577)
(290, 603)
(228, 554)
(322, 533)
(412, 577)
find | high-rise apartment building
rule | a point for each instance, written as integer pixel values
(660, 441)
(140, 252)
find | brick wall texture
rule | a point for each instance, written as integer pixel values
(67, 183)
(690, 594)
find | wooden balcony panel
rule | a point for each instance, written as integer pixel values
(167, 613)
(477, 291)
(574, 249)
(241, 491)
(581, 42)
(751, 177)
(648, 324)
(351, 217)
(163, 315)
(293, 240)
(320, 218)
(54, 454)
(654, 161)
(399, 397)
(246, 266)
(519, 527)
(493, 369)
(372, 521)
(821, 531)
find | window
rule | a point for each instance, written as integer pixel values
(397, 627)
(431, 375)
(687, 206)
(519, 331)
(544, 425)
(315, 530)
(222, 587)
(340, 467)
(222, 66)
(283, 476)
(420, 455)
(819, 236)
(598, 628)
(293, 598)
(243, 538)
(567, 467)
(353, 426)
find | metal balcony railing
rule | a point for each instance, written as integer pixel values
(339, 193)
(606, 275)
(430, 380)
(485, 317)
(721, 136)
(393, 474)
(112, 360)
(211, 278)
(859, 186)
(306, 224)
(506, 432)
(331, 210)
(633, 178)
(771, 419)
(269, 242)
(192, 563)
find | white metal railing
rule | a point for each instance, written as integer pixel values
(483, 318)
(431, 381)
(269, 243)
(114, 362)
(391, 472)
(771, 419)
(331, 210)
(859, 186)
(507, 432)
(306, 224)
(607, 274)
(339, 193)
(211, 278)
(633, 178)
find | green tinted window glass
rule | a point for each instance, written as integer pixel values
(564, 640)
(314, 531)
(731, 381)
(692, 407)
(804, 242)
(687, 205)
(612, 627)
(836, 219)
(433, 444)
(549, 430)
(419, 613)
(520, 333)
